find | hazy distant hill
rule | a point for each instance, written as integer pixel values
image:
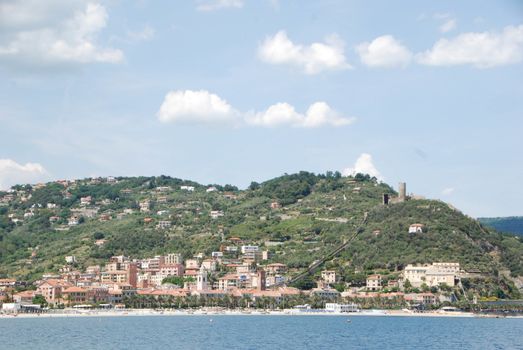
(298, 217)
(511, 224)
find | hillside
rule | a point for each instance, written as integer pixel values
(512, 224)
(298, 217)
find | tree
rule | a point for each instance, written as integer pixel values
(254, 186)
(98, 235)
(39, 300)
(407, 285)
(306, 283)
(340, 287)
(178, 280)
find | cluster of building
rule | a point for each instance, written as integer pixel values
(123, 277)
(88, 207)
(217, 277)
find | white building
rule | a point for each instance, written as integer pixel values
(416, 228)
(274, 279)
(145, 206)
(329, 276)
(217, 255)
(432, 275)
(173, 258)
(85, 200)
(325, 293)
(11, 307)
(209, 265)
(215, 214)
(73, 221)
(374, 282)
(339, 308)
(187, 188)
(245, 249)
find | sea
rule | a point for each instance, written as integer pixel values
(260, 332)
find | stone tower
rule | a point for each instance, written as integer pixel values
(402, 192)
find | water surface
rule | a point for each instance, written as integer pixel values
(260, 332)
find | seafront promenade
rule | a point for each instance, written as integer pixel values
(211, 313)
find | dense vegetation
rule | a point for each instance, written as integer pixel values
(317, 213)
(511, 224)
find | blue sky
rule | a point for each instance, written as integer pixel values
(231, 91)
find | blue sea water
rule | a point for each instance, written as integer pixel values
(260, 332)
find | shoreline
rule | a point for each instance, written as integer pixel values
(212, 313)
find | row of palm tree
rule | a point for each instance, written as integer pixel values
(137, 301)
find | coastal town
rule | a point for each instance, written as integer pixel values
(122, 280)
(243, 272)
(237, 272)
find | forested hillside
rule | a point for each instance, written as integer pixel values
(298, 217)
(511, 224)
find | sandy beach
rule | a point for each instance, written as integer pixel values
(211, 313)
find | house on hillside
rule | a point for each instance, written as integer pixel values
(276, 269)
(329, 276)
(86, 200)
(373, 282)
(416, 228)
(275, 205)
(73, 221)
(215, 214)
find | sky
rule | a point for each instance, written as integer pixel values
(234, 91)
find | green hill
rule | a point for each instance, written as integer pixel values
(511, 224)
(310, 215)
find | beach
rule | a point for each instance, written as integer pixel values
(212, 312)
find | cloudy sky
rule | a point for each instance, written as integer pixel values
(230, 91)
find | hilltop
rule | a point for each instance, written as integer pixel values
(299, 218)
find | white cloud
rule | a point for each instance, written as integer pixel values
(200, 107)
(62, 32)
(317, 115)
(482, 50)
(363, 165)
(449, 25)
(212, 5)
(384, 51)
(12, 173)
(313, 58)
(448, 19)
(278, 114)
(195, 107)
(447, 191)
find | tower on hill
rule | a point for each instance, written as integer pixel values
(402, 192)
